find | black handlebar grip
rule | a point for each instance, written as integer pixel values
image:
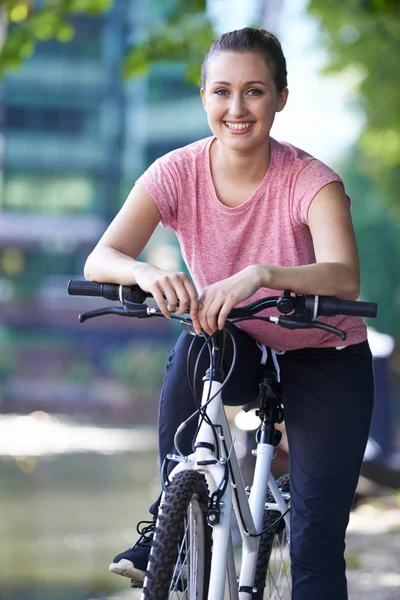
(329, 305)
(110, 291)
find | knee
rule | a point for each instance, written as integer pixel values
(318, 542)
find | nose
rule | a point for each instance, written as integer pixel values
(237, 108)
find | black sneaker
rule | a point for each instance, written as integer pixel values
(133, 562)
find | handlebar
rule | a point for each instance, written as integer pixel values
(298, 311)
(315, 306)
(330, 305)
(109, 291)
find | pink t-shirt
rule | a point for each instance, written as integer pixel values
(270, 227)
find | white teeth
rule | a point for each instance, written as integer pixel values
(238, 125)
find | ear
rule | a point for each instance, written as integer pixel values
(203, 98)
(282, 99)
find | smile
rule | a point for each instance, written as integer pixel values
(237, 126)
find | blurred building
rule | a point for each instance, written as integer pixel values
(76, 138)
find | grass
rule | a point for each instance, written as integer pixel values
(353, 561)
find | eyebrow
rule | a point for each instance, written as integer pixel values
(246, 82)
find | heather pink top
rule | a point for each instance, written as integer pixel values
(270, 228)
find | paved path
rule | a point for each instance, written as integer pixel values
(373, 552)
(373, 549)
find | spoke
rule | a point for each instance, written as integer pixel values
(192, 553)
(178, 577)
(279, 569)
(184, 577)
(282, 560)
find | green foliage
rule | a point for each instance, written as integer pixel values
(139, 366)
(184, 36)
(378, 238)
(353, 561)
(7, 354)
(363, 38)
(30, 21)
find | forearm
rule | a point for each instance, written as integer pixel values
(107, 265)
(324, 279)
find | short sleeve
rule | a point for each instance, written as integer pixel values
(312, 178)
(159, 181)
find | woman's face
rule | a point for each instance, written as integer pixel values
(241, 99)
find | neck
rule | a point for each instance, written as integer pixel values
(249, 165)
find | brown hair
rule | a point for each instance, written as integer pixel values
(255, 40)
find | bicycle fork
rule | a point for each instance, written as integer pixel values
(249, 511)
(225, 476)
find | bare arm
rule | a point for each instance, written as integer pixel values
(337, 269)
(335, 273)
(113, 260)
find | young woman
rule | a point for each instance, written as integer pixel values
(254, 215)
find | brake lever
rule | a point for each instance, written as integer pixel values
(135, 310)
(292, 323)
(339, 332)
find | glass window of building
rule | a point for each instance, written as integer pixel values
(49, 193)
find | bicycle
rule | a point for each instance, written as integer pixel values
(192, 554)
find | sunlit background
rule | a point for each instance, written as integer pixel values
(86, 104)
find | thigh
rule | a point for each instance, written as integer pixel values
(183, 383)
(190, 359)
(328, 399)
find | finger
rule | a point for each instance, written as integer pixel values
(202, 316)
(207, 300)
(169, 293)
(160, 300)
(194, 306)
(183, 296)
(212, 322)
(211, 315)
(206, 317)
(223, 315)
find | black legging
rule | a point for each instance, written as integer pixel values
(328, 399)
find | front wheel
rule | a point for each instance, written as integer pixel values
(273, 575)
(180, 557)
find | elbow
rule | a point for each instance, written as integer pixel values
(352, 294)
(352, 289)
(89, 270)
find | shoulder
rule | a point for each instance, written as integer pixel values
(293, 158)
(185, 157)
(173, 173)
(300, 168)
(303, 176)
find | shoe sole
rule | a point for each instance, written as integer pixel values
(127, 569)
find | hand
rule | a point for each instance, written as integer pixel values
(218, 299)
(173, 291)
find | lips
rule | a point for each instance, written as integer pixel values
(240, 127)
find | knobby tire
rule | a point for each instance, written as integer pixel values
(179, 567)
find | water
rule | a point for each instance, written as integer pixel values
(70, 498)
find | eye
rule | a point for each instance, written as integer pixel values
(254, 92)
(221, 92)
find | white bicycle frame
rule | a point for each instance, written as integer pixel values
(223, 581)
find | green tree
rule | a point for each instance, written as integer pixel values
(184, 34)
(363, 39)
(378, 242)
(25, 22)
